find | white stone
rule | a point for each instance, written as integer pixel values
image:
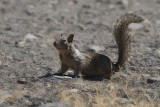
(125, 3)
(158, 51)
(30, 37)
(22, 43)
(97, 48)
(112, 6)
(158, 22)
(62, 77)
(73, 90)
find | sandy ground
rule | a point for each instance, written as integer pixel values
(28, 58)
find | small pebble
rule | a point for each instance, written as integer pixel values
(22, 81)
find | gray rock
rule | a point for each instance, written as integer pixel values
(158, 51)
(23, 43)
(3, 96)
(123, 3)
(18, 57)
(121, 93)
(8, 28)
(158, 68)
(55, 104)
(148, 25)
(96, 48)
(123, 100)
(22, 81)
(1, 101)
(112, 6)
(29, 10)
(50, 67)
(20, 44)
(30, 37)
(1, 63)
(135, 26)
(72, 2)
(103, 1)
(73, 90)
(158, 22)
(31, 52)
(151, 80)
(62, 77)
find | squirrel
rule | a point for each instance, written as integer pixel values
(93, 64)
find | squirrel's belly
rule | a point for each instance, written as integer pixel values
(69, 63)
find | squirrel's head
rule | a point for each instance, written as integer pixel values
(63, 44)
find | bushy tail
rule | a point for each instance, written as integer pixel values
(122, 37)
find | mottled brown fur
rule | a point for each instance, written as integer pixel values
(94, 64)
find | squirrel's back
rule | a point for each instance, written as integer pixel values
(122, 36)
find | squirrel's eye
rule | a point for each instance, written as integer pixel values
(63, 41)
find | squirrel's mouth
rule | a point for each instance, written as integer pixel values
(56, 45)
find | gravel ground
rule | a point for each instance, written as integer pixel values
(28, 58)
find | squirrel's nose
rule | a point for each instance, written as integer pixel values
(54, 43)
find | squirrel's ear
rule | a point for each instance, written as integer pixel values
(70, 38)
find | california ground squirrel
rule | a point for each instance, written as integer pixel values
(93, 64)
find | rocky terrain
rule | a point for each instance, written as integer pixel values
(28, 58)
